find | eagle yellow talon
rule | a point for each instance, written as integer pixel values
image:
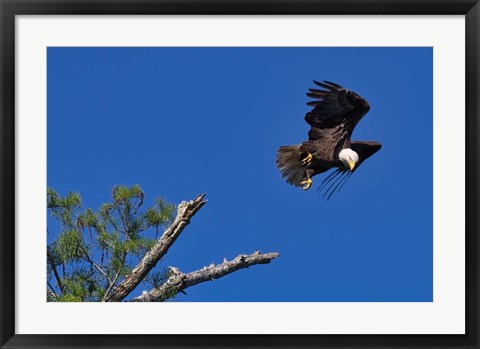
(308, 160)
(306, 184)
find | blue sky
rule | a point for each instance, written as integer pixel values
(185, 121)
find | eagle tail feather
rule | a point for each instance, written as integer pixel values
(288, 161)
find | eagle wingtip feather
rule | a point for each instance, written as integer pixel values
(332, 84)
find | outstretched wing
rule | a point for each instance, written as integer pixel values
(336, 111)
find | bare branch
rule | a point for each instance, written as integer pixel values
(50, 292)
(89, 260)
(112, 284)
(178, 281)
(186, 210)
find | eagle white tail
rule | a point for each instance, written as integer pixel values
(288, 161)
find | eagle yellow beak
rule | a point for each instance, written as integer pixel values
(351, 164)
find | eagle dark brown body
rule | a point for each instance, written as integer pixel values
(336, 111)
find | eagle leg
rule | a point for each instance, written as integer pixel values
(307, 161)
(306, 184)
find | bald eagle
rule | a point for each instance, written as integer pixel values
(336, 111)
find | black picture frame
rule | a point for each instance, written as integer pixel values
(10, 8)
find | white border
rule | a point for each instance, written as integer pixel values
(443, 316)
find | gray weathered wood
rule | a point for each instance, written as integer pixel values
(178, 281)
(185, 211)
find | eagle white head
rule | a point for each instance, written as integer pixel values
(349, 158)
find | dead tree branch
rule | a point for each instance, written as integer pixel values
(186, 210)
(178, 281)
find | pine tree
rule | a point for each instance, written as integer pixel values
(108, 254)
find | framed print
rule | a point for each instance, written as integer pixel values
(194, 196)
